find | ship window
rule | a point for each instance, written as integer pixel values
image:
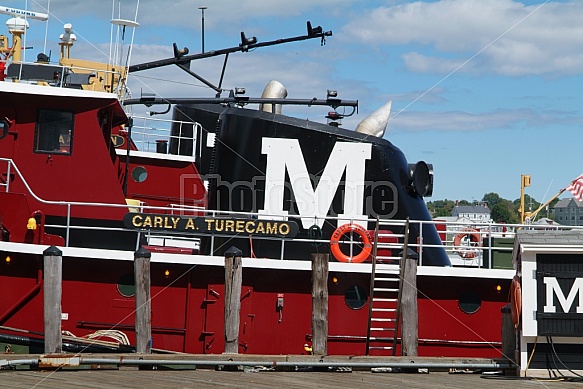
(139, 174)
(469, 302)
(54, 132)
(126, 285)
(355, 297)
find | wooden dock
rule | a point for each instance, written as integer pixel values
(133, 378)
(106, 376)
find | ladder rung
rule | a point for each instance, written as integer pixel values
(380, 347)
(381, 319)
(382, 329)
(384, 309)
(385, 290)
(382, 299)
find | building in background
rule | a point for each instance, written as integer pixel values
(475, 213)
(569, 212)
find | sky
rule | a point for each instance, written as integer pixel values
(483, 90)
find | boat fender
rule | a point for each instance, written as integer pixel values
(515, 301)
(467, 251)
(335, 243)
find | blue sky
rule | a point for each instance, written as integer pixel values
(483, 90)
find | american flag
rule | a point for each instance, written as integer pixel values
(576, 188)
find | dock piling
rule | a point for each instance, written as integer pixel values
(143, 301)
(409, 306)
(233, 281)
(53, 277)
(320, 303)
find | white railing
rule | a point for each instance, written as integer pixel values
(155, 135)
(63, 76)
(491, 246)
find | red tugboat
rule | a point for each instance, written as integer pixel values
(78, 173)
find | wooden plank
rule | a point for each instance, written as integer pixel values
(233, 281)
(53, 277)
(320, 303)
(409, 307)
(143, 302)
(125, 378)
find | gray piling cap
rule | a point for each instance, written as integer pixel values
(233, 252)
(142, 253)
(52, 251)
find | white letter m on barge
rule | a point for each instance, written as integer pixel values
(553, 288)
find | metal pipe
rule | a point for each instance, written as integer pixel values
(15, 362)
(202, 26)
(316, 363)
(8, 177)
(320, 363)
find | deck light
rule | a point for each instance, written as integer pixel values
(8, 259)
(166, 273)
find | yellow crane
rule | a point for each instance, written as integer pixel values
(526, 216)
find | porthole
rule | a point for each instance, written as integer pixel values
(139, 174)
(126, 285)
(470, 302)
(355, 297)
(5, 125)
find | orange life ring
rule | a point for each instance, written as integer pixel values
(515, 300)
(335, 246)
(465, 250)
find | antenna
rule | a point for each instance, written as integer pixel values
(19, 13)
(17, 26)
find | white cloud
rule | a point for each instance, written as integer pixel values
(407, 121)
(184, 13)
(516, 39)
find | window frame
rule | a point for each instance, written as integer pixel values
(62, 127)
(5, 128)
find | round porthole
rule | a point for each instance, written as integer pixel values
(4, 128)
(139, 174)
(355, 297)
(470, 302)
(126, 285)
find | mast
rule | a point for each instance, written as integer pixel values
(17, 26)
(183, 60)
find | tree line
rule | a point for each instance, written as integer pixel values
(501, 210)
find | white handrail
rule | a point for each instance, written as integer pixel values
(483, 251)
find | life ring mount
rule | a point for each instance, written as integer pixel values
(364, 237)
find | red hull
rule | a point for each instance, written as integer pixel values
(188, 315)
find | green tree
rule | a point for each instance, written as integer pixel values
(504, 212)
(530, 204)
(492, 199)
(440, 208)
